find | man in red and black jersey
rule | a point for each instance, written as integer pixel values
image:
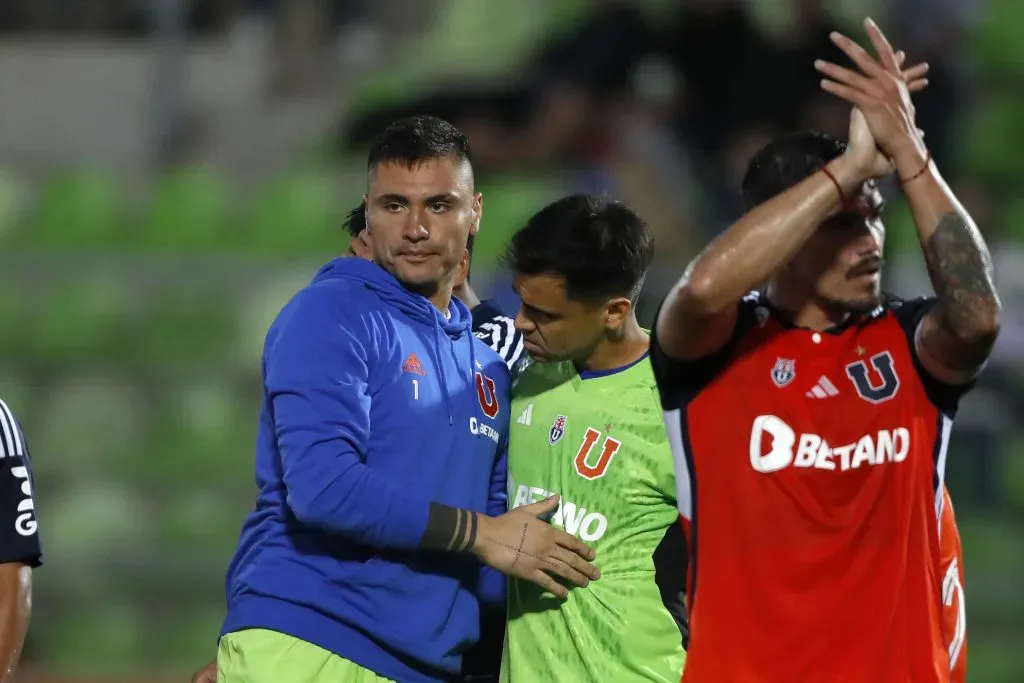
(810, 422)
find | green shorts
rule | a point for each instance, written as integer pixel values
(261, 656)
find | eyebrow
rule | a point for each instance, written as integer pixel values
(443, 198)
(550, 314)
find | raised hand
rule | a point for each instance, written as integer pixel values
(881, 90)
(520, 544)
(863, 151)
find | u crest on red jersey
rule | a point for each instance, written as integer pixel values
(879, 386)
(487, 395)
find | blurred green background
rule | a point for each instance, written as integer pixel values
(168, 180)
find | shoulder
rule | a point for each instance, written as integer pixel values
(679, 380)
(908, 315)
(326, 306)
(498, 331)
(493, 364)
(908, 312)
(12, 442)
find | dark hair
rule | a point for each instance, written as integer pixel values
(416, 139)
(601, 247)
(785, 162)
(355, 221)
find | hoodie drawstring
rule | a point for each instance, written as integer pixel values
(441, 374)
(472, 380)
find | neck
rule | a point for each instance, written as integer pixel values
(805, 309)
(438, 293)
(627, 346)
(442, 299)
(467, 296)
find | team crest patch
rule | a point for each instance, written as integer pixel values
(557, 430)
(783, 372)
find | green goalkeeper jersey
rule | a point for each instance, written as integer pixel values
(599, 442)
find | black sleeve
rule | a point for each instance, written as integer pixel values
(945, 397)
(19, 536)
(499, 332)
(681, 380)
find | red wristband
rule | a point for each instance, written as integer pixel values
(924, 168)
(839, 188)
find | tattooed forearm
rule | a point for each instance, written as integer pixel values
(966, 317)
(451, 529)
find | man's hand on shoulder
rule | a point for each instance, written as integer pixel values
(520, 543)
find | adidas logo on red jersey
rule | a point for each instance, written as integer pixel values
(412, 365)
(823, 388)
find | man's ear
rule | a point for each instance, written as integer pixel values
(478, 213)
(462, 271)
(616, 312)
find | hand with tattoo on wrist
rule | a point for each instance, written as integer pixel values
(518, 543)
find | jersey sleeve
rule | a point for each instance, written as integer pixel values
(945, 397)
(499, 332)
(681, 380)
(19, 532)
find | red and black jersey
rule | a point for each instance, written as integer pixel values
(810, 483)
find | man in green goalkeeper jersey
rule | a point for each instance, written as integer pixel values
(587, 426)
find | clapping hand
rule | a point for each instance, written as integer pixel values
(881, 92)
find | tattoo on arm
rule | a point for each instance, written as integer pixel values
(450, 529)
(961, 331)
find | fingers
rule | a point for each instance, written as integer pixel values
(567, 572)
(848, 77)
(918, 85)
(575, 545)
(916, 72)
(901, 57)
(577, 564)
(541, 508)
(851, 95)
(542, 579)
(882, 47)
(865, 62)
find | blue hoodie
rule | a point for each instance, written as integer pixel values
(374, 406)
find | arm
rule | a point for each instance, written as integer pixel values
(699, 314)
(15, 610)
(955, 338)
(19, 542)
(316, 380)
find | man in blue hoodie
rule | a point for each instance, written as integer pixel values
(381, 453)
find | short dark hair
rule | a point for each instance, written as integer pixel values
(417, 139)
(601, 247)
(785, 162)
(355, 221)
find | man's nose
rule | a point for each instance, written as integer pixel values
(523, 323)
(415, 228)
